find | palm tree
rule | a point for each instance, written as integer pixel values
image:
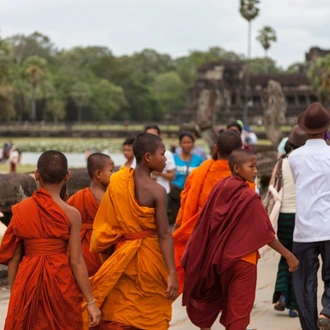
(80, 95)
(35, 69)
(249, 11)
(319, 76)
(266, 35)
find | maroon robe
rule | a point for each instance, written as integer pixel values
(233, 223)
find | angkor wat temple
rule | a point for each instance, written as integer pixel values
(227, 80)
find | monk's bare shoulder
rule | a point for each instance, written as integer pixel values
(148, 192)
(72, 213)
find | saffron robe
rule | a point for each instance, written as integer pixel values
(45, 294)
(196, 191)
(232, 224)
(85, 202)
(130, 286)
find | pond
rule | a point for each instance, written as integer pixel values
(74, 159)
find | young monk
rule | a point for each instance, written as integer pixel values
(196, 190)
(44, 281)
(136, 285)
(222, 253)
(100, 167)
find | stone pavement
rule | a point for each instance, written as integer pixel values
(263, 317)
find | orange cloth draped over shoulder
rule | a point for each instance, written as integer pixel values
(193, 197)
(130, 286)
(45, 294)
(85, 202)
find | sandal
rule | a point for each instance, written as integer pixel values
(281, 304)
(323, 322)
(293, 313)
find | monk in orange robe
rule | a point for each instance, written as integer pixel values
(47, 287)
(196, 191)
(100, 167)
(221, 255)
(137, 283)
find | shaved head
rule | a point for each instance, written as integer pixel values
(52, 166)
(96, 161)
(239, 157)
(145, 142)
(228, 141)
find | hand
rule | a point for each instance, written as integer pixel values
(172, 286)
(292, 263)
(176, 227)
(94, 315)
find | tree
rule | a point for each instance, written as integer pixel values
(6, 103)
(249, 11)
(319, 76)
(80, 95)
(56, 109)
(35, 44)
(266, 35)
(170, 91)
(5, 62)
(107, 99)
(187, 67)
(297, 67)
(35, 71)
(257, 65)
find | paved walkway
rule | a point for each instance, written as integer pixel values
(263, 317)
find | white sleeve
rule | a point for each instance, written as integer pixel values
(170, 165)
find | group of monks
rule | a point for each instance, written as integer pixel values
(135, 265)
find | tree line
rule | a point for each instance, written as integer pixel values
(38, 81)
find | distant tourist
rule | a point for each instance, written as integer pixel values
(197, 150)
(14, 158)
(127, 149)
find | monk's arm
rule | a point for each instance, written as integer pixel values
(286, 254)
(13, 264)
(166, 241)
(79, 268)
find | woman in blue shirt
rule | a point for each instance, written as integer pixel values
(185, 162)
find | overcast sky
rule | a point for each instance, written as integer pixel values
(171, 26)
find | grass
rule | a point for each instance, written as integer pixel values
(4, 168)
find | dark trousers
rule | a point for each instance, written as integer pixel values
(305, 281)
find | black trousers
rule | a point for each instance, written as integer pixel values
(305, 281)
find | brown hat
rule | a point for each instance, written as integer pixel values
(315, 119)
(297, 136)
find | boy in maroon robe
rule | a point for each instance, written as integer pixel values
(221, 256)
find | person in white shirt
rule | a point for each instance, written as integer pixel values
(310, 166)
(168, 174)
(284, 296)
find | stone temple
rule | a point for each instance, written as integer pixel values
(221, 84)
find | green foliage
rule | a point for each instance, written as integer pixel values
(81, 96)
(107, 99)
(169, 90)
(297, 67)
(258, 66)
(35, 44)
(90, 83)
(6, 103)
(249, 9)
(265, 36)
(319, 76)
(55, 109)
